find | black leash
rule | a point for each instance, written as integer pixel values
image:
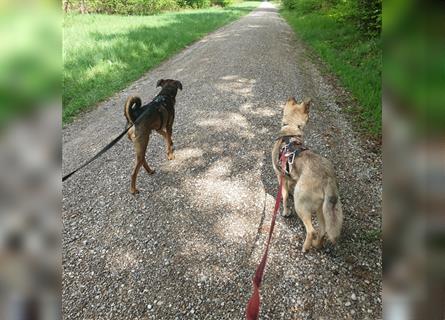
(101, 152)
(158, 99)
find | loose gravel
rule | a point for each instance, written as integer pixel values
(187, 246)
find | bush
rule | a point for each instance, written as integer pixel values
(127, 7)
(138, 7)
(288, 4)
(222, 3)
(198, 3)
(364, 14)
(304, 6)
(369, 14)
(344, 11)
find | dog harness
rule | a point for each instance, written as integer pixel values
(292, 148)
(157, 104)
(160, 100)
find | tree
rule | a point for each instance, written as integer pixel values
(66, 5)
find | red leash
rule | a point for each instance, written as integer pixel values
(253, 306)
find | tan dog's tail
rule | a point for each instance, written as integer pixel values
(132, 105)
(332, 212)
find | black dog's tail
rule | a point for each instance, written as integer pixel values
(131, 109)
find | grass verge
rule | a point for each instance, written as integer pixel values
(355, 59)
(104, 53)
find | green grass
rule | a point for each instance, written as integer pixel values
(371, 235)
(355, 59)
(104, 53)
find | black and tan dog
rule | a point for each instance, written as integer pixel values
(157, 115)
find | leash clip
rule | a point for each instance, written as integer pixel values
(284, 150)
(290, 158)
(289, 152)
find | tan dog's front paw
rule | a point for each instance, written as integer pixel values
(171, 156)
(306, 246)
(134, 191)
(285, 213)
(318, 242)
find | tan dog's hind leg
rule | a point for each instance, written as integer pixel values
(168, 142)
(285, 195)
(310, 231)
(307, 201)
(318, 242)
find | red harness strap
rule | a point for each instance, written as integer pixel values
(253, 306)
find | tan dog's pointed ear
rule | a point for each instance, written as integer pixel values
(292, 100)
(159, 83)
(178, 85)
(306, 104)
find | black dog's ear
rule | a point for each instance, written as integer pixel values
(178, 85)
(159, 83)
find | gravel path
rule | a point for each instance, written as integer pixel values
(187, 246)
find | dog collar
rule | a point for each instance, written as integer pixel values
(160, 99)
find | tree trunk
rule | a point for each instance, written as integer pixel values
(82, 6)
(66, 4)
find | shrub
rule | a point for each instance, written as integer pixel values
(222, 3)
(369, 14)
(304, 6)
(198, 3)
(126, 7)
(364, 14)
(138, 7)
(344, 11)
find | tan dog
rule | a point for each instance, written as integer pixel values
(157, 115)
(310, 176)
